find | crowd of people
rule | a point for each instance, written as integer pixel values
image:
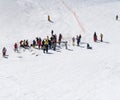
(39, 43)
(52, 42)
(49, 43)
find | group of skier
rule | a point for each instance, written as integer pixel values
(95, 38)
(49, 43)
(39, 43)
(77, 39)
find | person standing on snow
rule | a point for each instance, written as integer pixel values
(116, 17)
(73, 41)
(49, 18)
(46, 45)
(95, 37)
(39, 43)
(78, 39)
(66, 45)
(101, 37)
(15, 47)
(43, 46)
(60, 38)
(52, 32)
(4, 51)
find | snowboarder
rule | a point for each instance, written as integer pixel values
(4, 51)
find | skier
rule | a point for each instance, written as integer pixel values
(53, 41)
(101, 37)
(26, 43)
(21, 43)
(4, 51)
(43, 46)
(49, 44)
(39, 43)
(73, 41)
(116, 17)
(46, 45)
(52, 32)
(60, 37)
(78, 40)
(66, 45)
(34, 43)
(48, 17)
(95, 37)
(15, 47)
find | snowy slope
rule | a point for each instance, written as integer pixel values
(74, 74)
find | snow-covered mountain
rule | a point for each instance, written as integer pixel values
(28, 16)
(76, 73)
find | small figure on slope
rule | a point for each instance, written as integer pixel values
(101, 37)
(4, 51)
(116, 17)
(78, 39)
(95, 37)
(49, 18)
(15, 47)
(73, 41)
(88, 46)
(60, 38)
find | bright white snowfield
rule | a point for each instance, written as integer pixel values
(73, 74)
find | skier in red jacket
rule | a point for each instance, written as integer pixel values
(15, 47)
(95, 37)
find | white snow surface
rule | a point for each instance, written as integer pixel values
(73, 74)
